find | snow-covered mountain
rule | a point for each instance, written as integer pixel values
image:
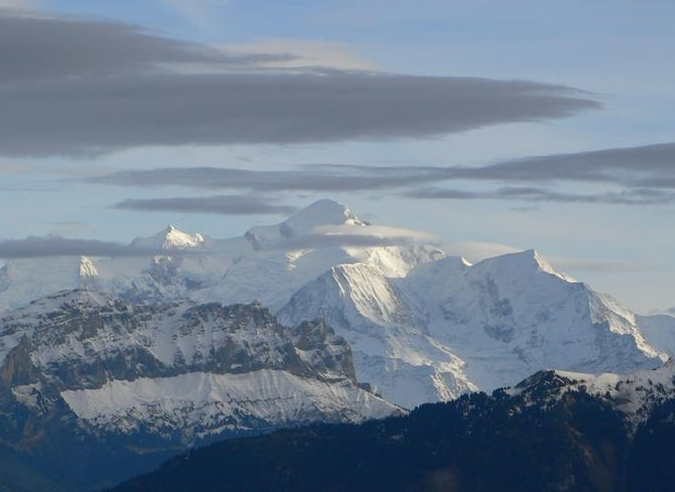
(635, 395)
(95, 390)
(268, 263)
(170, 239)
(424, 327)
(449, 327)
(180, 372)
(659, 331)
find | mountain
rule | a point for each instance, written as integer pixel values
(122, 385)
(634, 396)
(267, 263)
(424, 327)
(386, 325)
(449, 327)
(555, 431)
(303, 223)
(169, 240)
(659, 331)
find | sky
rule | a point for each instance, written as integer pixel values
(496, 126)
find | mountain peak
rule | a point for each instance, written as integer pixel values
(87, 268)
(168, 239)
(320, 213)
(527, 260)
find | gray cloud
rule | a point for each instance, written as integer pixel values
(650, 165)
(339, 240)
(34, 246)
(307, 179)
(643, 166)
(221, 204)
(647, 173)
(530, 194)
(50, 246)
(39, 49)
(74, 87)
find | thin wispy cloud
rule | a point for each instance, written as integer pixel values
(77, 87)
(44, 246)
(627, 197)
(220, 205)
(646, 175)
(307, 54)
(305, 179)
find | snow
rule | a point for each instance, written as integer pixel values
(169, 239)
(659, 331)
(87, 268)
(176, 265)
(450, 327)
(424, 327)
(209, 402)
(634, 394)
(195, 370)
(321, 213)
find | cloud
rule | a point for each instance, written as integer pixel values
(638, 196)
(306, 179)
(649, 165)
(54, 245)
(335, 178)
(646, 175)
(221, 204)
(382, 232)
(76, 87)
(33, 247)
(311, 241)
(47, 53)
(307, 54)
(645, 166)
(642, 166)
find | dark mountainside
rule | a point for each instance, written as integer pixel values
(532, 441)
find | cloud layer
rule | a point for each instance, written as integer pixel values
(76, 87)
(218, 204)
(626, 197)
(43, 246)
(645, 176)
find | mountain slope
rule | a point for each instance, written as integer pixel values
(137, 381)
(451, 327)
(659, 331)
(386, 327)
(548, 434)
